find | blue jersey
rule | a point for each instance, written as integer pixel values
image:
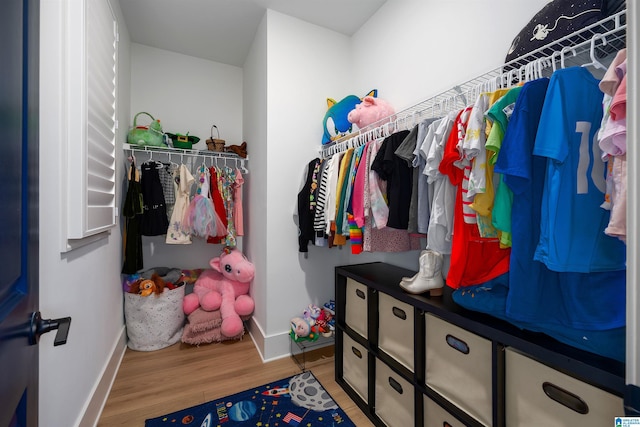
(536, 294)
(572, 234)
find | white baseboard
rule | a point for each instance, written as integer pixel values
(103, 385)
(271, 347)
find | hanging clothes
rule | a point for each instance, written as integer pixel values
(359, 194)
(238, 217)
(377, 237)
(481, 185)
(227, 182)
(154, 219)
(474, 259)
(319, 221)
(183, 181)
(168, 189)
(572, 228)
(200, 218)
(397, 173)
(425, 189)
(536, 294)
(336, 236)
(305, 215)
(132, 210)
(499, 114)
(332, 182)
(406, 151)
(348, 194)
(440, 229)
(218, 205)
(613, 141)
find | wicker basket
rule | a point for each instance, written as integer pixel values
(215, 144)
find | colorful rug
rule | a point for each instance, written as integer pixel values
(299, 400)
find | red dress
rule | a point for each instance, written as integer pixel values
(474, 259)
(218, 205)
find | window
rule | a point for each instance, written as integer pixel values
(91, 114)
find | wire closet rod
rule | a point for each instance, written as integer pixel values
(182, 152)
(610, 32)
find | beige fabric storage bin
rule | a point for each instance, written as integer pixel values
(458, 366)
(533, 392)
(394, 402)
(396, 329)
(355, 366)
(356, 307)
(436, 416)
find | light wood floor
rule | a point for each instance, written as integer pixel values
(151, 384)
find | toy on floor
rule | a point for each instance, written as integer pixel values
(224, 287)
(303, 330)
(311, 313)
(315, 321)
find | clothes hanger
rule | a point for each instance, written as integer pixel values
(553, 59)
(242, 168)
(562, 53)
(592, 52)
(522, 73)
(544, 62)
(529, 70)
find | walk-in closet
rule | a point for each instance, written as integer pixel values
(400, 357)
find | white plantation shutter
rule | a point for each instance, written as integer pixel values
(92, 120)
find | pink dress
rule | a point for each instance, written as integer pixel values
(237, 204)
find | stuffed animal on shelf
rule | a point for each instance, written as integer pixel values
(335, 122)
(224, 287)
(311, 313)
(302, 330)
(146, 287)
(322, 323)
(370, 110)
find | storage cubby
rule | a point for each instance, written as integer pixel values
(536, 394)
(412, 360)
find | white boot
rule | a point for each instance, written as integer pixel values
(415, 276)
(429, 278)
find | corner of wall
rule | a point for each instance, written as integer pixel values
(98, 399)
(271, 347)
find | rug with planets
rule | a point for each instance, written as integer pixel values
(299, 400)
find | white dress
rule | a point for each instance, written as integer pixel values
(183, 181)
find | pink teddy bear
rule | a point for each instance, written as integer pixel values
(370, 110)
(225, 287)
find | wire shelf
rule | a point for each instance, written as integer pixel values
(216, 156)
(608, 36)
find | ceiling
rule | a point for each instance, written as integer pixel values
(223, 30)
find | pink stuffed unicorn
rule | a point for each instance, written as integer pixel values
(225, 287)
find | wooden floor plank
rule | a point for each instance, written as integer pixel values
(151, 384)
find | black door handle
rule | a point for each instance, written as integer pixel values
(41, 326)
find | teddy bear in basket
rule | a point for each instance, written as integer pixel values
(224, 287)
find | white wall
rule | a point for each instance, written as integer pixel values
(84, 283)
(414, 49)
(306, 64)
(186, 94)
(255, 185)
